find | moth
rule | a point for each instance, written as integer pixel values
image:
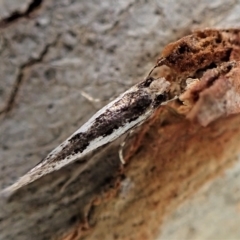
(185, 57)
(118, 117)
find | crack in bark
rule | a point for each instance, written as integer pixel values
(34, 5)
(20, 77)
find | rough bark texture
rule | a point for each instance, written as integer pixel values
(183, 180)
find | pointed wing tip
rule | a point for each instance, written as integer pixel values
(10, 190)
(7, 192)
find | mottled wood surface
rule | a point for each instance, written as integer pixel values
(183, 181)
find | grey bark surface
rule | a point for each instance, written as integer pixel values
(52, 51)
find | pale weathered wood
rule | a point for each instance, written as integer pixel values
(104, 47)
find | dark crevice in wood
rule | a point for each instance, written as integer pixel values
(19, 79)
(35, 4)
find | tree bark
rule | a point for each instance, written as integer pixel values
(181, 180)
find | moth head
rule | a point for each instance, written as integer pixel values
(159, 86)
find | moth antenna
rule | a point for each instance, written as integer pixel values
(160, 62)
(151, 71)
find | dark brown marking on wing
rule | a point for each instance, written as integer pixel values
(146, 83)
(126, 110)
(159, 99)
